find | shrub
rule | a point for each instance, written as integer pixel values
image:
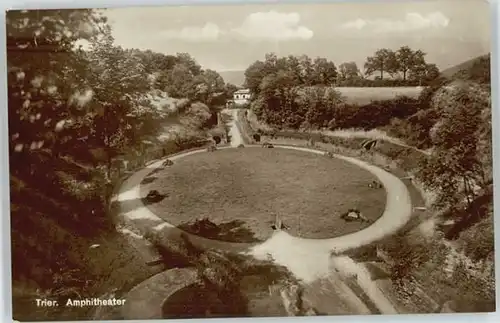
(477, 242)
(406, 254)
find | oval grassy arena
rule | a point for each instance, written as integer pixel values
(242, 190)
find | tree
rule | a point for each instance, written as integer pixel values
(208, 87)
(119, 83)
(254, 75)
(348, 71)
(230, 89)
(191, 64)
(383, 61)
(324, 72)
(407, 59)
(180, 81)
(455, 168)
(306, 70)
(39, 90)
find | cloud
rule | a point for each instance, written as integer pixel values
(413, 21)
(273, 26)
(207, 32)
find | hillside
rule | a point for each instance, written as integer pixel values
(467, 65)
(234, 77)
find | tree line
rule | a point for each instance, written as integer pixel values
(405, 67)
(78, 116)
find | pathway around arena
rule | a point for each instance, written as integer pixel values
(307, 259)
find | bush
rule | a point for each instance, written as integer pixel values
(478, 242)
(406, 254)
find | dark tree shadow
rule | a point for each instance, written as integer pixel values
(232, 231)
(149, 180)
(471, 215)
(156, 171)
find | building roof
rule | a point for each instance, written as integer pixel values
(243, 91)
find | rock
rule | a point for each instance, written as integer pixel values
(354, 215)
(375, 184)
(167, 162)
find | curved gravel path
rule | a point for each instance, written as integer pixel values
(397, 212)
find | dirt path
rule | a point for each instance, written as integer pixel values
(308, 259)
(236, 138)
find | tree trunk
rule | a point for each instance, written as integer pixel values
(467, 191)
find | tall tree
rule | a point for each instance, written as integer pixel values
(324, 72)
(348, 70)
(407, 59)
(306, 69)
(44, 74)
(180, 81)
(119, 83)
(383, 61)
(254, 75)
(456, 166)
(424, 73)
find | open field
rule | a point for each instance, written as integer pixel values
(364, 95)
(242, 191)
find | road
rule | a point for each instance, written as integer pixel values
(308, 259)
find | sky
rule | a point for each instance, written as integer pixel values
(231, 37)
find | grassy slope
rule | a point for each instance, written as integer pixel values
(245, 189)
(450, 72)
(364, 95)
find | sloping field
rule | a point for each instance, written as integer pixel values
(364, 95)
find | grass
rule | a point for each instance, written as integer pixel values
(364, 95)
(246, 189)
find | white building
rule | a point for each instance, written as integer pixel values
(241, 97)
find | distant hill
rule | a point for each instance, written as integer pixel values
(234, 77)
(481, 62)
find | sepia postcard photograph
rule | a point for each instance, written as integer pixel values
(251, 160)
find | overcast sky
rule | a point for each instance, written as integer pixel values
(230, 37)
